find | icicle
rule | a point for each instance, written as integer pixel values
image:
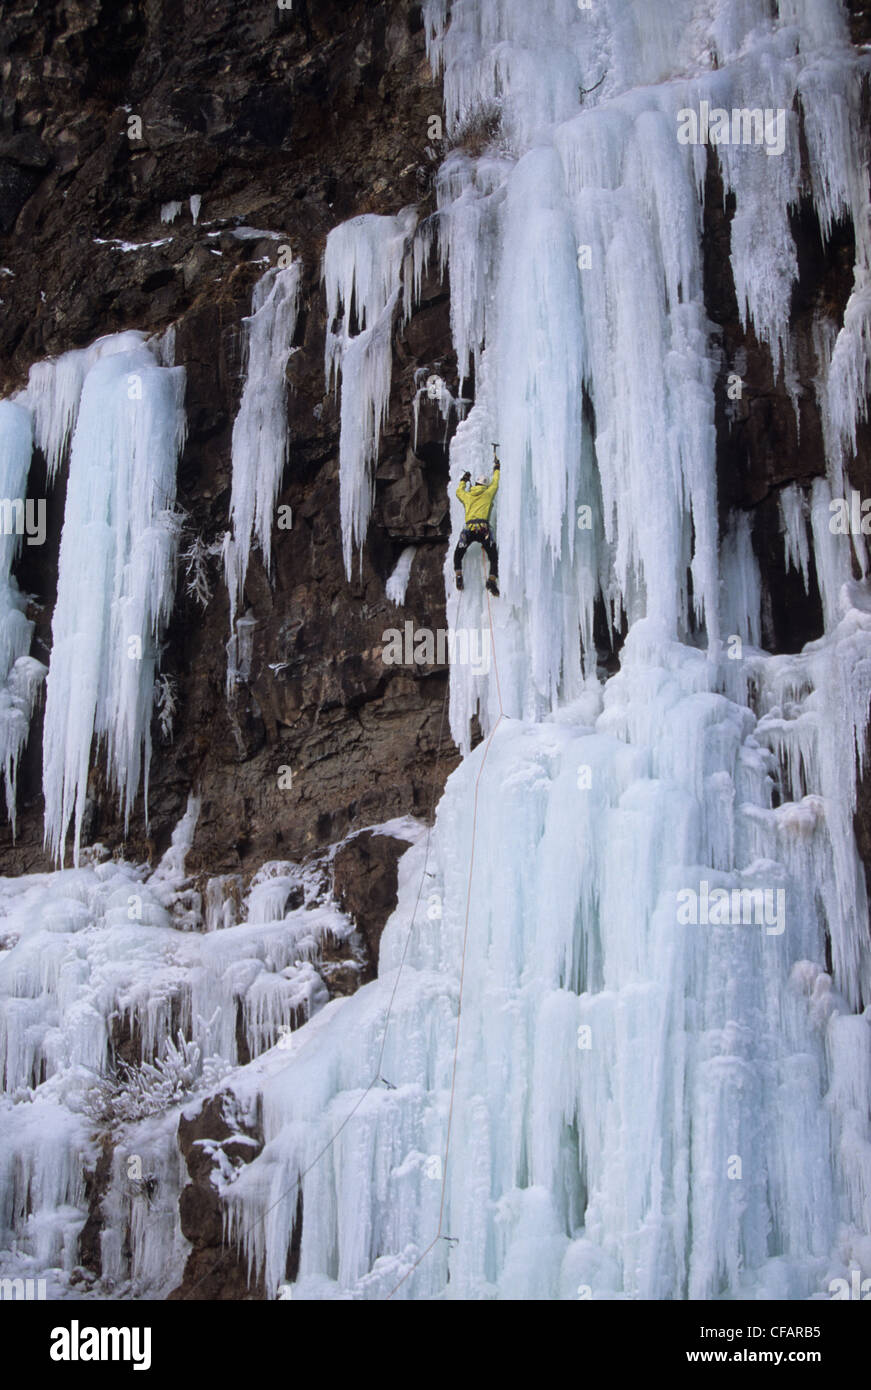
(794, 527)
(18, 698)
(240, 650)
(431, 387)
(116, 582)
(741, 582)
(397, 584)
(362, 265)
(630, 513)
(362, 275)
(54, 391)
(260, 432)
(831, 556)
(21, 675)
(467, 213)
(849, 376)
(43, 1153)
(417, 258)
(141, 1239)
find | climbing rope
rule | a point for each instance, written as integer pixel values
(294, 1186)
(438, 1235)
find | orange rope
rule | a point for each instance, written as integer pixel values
(377, 1077)
(438, 1235)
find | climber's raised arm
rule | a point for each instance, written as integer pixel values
(493, 488)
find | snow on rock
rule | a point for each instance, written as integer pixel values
(110, 955)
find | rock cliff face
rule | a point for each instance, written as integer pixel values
(288, 121)
(291, 121)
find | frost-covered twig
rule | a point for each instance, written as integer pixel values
(194, 559)
(166, 702)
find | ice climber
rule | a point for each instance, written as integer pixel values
(478, 501)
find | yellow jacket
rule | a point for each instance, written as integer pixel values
(478, 500)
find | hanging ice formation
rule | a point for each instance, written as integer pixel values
(657, 1095)
(116, 573)
(397, 584)
(44, 416)
(260, 436)
(431, 387)
(363, 276)
(21, 675)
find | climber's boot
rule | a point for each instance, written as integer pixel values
(458, 576)
(493, 585)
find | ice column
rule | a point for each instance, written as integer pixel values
(21, 675)
(116, 582)
(363, 264)
(260, 432)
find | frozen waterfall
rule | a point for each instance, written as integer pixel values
(619, 1045)
(660, 1087)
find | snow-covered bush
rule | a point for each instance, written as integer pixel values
(134, 1092)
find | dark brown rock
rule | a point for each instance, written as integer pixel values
(97, 1185)
(289, 121)
(364, 882)
(200, 1214)
(214, 1269)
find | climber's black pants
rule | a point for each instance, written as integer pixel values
(477, 531)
